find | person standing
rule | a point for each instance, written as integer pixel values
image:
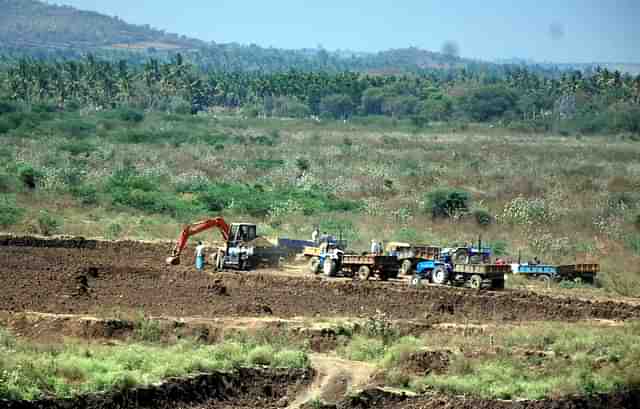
(314, 235)
(374, 247)
(200, 256)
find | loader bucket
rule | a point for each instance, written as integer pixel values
(173, 261)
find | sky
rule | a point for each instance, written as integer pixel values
(543, 30)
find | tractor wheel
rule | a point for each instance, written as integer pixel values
(406, 267)
(329, 268)
(475, 282)
(461, 257)
(544, 278)
(440, 275)
(364, 273)
(497, 284)
(416, 281)
(314, 265)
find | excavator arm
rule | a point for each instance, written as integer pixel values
(194, 229)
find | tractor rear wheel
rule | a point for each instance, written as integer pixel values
(329, 268)
(364, 273)
(475, 282)
(314, 265)
(439, 275)
(406, 267)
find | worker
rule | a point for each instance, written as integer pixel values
(374, 247)
(200, 256)
(536, 261)
(380, 248)
(314, 235)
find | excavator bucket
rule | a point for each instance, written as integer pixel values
(173, 261)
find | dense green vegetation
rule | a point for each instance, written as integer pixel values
(602, 101)
(529, 362)
(32, 371)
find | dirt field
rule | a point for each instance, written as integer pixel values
(76, 288)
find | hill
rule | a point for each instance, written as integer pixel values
(34, 24)
(37, 29)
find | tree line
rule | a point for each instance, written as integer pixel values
(515, 95)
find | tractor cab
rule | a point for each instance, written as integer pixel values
(242, 232)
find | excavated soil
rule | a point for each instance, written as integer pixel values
(91, 277)
(376, 398)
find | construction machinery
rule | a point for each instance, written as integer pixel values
(476, 276)
(240, 250)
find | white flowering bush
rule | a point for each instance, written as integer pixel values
(524, 211)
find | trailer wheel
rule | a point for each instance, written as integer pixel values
(406, 267)
(364, 273)
(314, 265)
(329, 268)
(475, 282)
(439, 275)
(416, 281)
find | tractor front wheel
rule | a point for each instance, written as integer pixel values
(440, 275)
(329, 268)
(314, 265)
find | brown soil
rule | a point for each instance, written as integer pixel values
(423, 363)
(88, 277)
(376, 398)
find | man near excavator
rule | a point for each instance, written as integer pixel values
(200, 256)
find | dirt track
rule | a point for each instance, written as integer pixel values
(100, 278)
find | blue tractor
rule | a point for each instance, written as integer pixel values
(436, 271)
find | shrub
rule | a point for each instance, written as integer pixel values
(482, 217)
(10, 214)
(446, 202)
(78, 147)
(261, 355)
(76, 128)
(527, 211)
(48, 224)
(29, 176)
(8, 183)
(147, 330)
(130, 115)
(86, 194)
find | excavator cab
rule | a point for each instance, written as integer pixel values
(242, 232)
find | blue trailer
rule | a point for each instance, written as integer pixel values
(546, 273)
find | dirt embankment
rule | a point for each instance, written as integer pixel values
(247, 388)
(130, 276)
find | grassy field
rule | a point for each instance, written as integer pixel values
(530, 362)
(31, 371)
(123, 173)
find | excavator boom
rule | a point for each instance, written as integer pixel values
(194, 229)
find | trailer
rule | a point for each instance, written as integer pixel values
(476, 276)
(366, 266)
(546, 273)
(410, 255)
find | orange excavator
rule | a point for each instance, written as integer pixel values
(238, 251)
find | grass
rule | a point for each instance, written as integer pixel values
(29, 371)
(530, 362)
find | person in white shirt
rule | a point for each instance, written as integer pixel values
(374, 247)
(314, 235)
(200, 256)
